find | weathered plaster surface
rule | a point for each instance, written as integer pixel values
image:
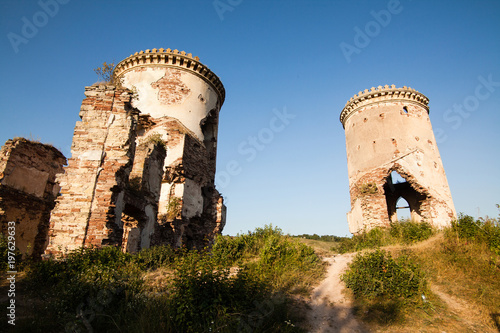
(388, 129)
(143, 159)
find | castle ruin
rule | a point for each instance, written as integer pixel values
(143, 159)
(388, 130)
(144, 156)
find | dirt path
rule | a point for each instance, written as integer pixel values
(330, 310)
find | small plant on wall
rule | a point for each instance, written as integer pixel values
(368, 188)
(156, 138)
(105, 72)
(174, 208)
(134, 184)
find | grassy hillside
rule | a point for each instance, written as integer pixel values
(407, 278)
(410, 278)
(245, 283)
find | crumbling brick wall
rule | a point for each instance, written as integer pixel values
(102, 154)
(143, 165)
(117, 188)
(28, 189)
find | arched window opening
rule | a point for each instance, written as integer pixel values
(403, 210)
(397, 178)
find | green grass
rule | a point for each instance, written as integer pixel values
(403, 232)
(244, 283)
(249, 282)
(461, 261)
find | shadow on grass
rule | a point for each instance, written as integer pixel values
(496, 319)
(380, 311)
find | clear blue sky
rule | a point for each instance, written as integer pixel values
(305, 57)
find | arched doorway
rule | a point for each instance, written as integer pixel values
(403, 201)
(403, 210)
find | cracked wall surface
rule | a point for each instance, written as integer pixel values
(28, 188)
(143, 159)
(180, 99)
(102, 154)
(388, 129)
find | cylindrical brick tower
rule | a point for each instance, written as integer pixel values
(180, 99)
(388, 130)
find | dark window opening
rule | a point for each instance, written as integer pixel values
(209, 129)
(403, 201)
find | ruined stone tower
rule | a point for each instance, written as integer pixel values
(388, 130)
(143, 158)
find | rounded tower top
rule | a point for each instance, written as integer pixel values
(171, 58)
(382, 95)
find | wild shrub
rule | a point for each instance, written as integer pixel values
(410, 231)
(174, 208)
(482, 231)
(205, 298)
(88, 280)
(244, 245)
(377, 274)
(324, 238)
(230, 249)
(283, 260)
(491, 234)
(374, 238)
(157, 138)
(466, 227)
(166, 290)
(384, 287)
(400, 232)
(155, 257)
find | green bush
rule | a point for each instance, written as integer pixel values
(466, 227)
(230, 249)
(401, 232)
(410, 231)
(491, 234)
(374, 238)
(324, 238)
(481, 231)
(155, 257)
(205, 298)
(377, 274)
(166, 290)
